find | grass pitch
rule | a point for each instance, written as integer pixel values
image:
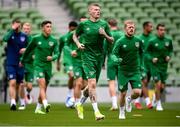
(62, 116)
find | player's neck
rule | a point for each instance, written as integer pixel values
(93, 19)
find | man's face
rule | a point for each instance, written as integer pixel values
(47, 28)
(161, 31)
(26, 29)
(149, 28)
(130, 29)
(18, 26)
(94, 12)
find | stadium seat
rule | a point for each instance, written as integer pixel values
(160, 5)
(150, 10)
(140, 15)
(167, 10)
(144, 5)
(117, 11)
(112, 5)
(19, 15)
(128, 5)
(175, 5)
(156, 16)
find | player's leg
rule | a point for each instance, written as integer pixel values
(111, 75)
(11, 73)
(20, 77)
(122, 97)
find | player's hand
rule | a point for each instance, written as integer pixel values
(20, 64)
(22, 50)
(16, 26)
(74, 53)
(81, 46)
(49, 58)
(167, 58)
(154, 60)
(101, 31)
(58, 66)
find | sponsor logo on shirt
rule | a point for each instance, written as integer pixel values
(137, 44)
(77, 74)
(124, 46)
(156, 44)
(166, 44)
(51, 43)
(22, 39)
(91, 73)
(39, 43)
(88, 28)
(142, 41)
(139, 85)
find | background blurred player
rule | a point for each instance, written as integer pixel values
(159, 52)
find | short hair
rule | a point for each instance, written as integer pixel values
(83, 17)
(45, 22)
(112, 22)
(93, 4)
(159, 25)
(16, 20)
(128, 22)
(26, 23)
(73, 24)
(146, 23)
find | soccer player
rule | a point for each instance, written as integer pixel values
(16, 44)
(67, 60)
(146, 75)
(127, 54)
(92, 33)
(112, 69)
(45, 48)
(159, 52)
(29, 71)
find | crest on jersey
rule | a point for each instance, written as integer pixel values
(166, 44)
(124, 46)
(51, 43)
(77, 73)
(156, 44)
(142, 41)
(40, 74)
(12, 37)
(39, 43)
(88, 28)
(22, 39)
(137, 44)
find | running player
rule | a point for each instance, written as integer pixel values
(127, 54)
(92, 33)
(159, 52)
(146, 75)
(16, 44)
(67, 60)
(45, 48)
(112, 69)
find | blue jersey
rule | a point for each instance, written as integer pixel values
(15, 42)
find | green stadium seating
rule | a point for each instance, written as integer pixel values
(128, 5)
(175, 5)
(150, 10)
(112, 5)
(160, 5)
(167, 10)
(145, 5)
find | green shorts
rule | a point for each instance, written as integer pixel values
(159, 74)
(78, 72)
(68, 68)
(134, 78)
(146, 72)
(29, 73)
(92, 68)
(41, 72)
(112, 71)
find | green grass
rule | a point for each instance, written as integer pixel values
(62, 116)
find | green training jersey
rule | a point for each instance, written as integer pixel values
(67, 59)
(42, 46)
(70, 46)
(117, 34)
(160, 48)
(90, 37)
(130, 50)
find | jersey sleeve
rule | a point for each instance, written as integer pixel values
(56, 51)
(8, 35)
(149, 51)
(68, 43)
(115, 53)
(170, 50)
(29, 50)
(61, 46)
(79, 29)
(107, 30)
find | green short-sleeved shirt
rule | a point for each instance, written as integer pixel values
(130, 50)
(159, 48)
(92, 55)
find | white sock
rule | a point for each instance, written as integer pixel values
(114, 101)
(147, 100)
(137, 100)
(121, 109)
(83, 99)
(95, 107)
(13, 101)
(38, 106)
(22, 101)
(158, 102)
(45, 102)
(70, 93)
(77, 100)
